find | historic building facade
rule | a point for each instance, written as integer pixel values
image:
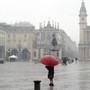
(84, 43)
(2, 44)
(27, 43)
(19, 40)
(43, 38)
(69, 48)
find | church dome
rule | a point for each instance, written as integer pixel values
(23, 24)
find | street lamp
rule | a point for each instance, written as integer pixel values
(19, 46)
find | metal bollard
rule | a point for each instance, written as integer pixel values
(37, 85)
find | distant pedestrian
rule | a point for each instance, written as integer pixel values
(64, 62)
(50, 74)
(72, 60)
(76, 59)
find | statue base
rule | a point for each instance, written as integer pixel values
(54, 52)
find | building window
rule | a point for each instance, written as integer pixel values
(9, 41)
(58, 54)
(25, 35)
(42, 36)
(8, 35)
(34, 54)
(48, 38)
(82, 19)
(14, 40)
(14, 35)
(25, 40)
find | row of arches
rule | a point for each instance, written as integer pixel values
(23, 54)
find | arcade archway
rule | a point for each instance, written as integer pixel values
(25, 54)
(14, 52)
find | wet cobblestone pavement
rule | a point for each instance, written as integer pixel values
(20, 76)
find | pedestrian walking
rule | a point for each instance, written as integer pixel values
(64, 62)
(50, 74)
(76, 59)
(49, 61)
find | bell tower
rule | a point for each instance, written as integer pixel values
(82, 21)
(83, 53)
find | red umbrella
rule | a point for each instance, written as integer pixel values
(49, 60)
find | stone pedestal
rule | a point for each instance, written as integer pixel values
(55, 52)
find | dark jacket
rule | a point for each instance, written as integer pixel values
(50, 71)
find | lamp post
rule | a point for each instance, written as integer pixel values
(19, 46)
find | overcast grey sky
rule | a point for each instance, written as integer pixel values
(35, 11)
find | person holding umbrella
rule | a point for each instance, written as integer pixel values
(50, 74)
(49, 61)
